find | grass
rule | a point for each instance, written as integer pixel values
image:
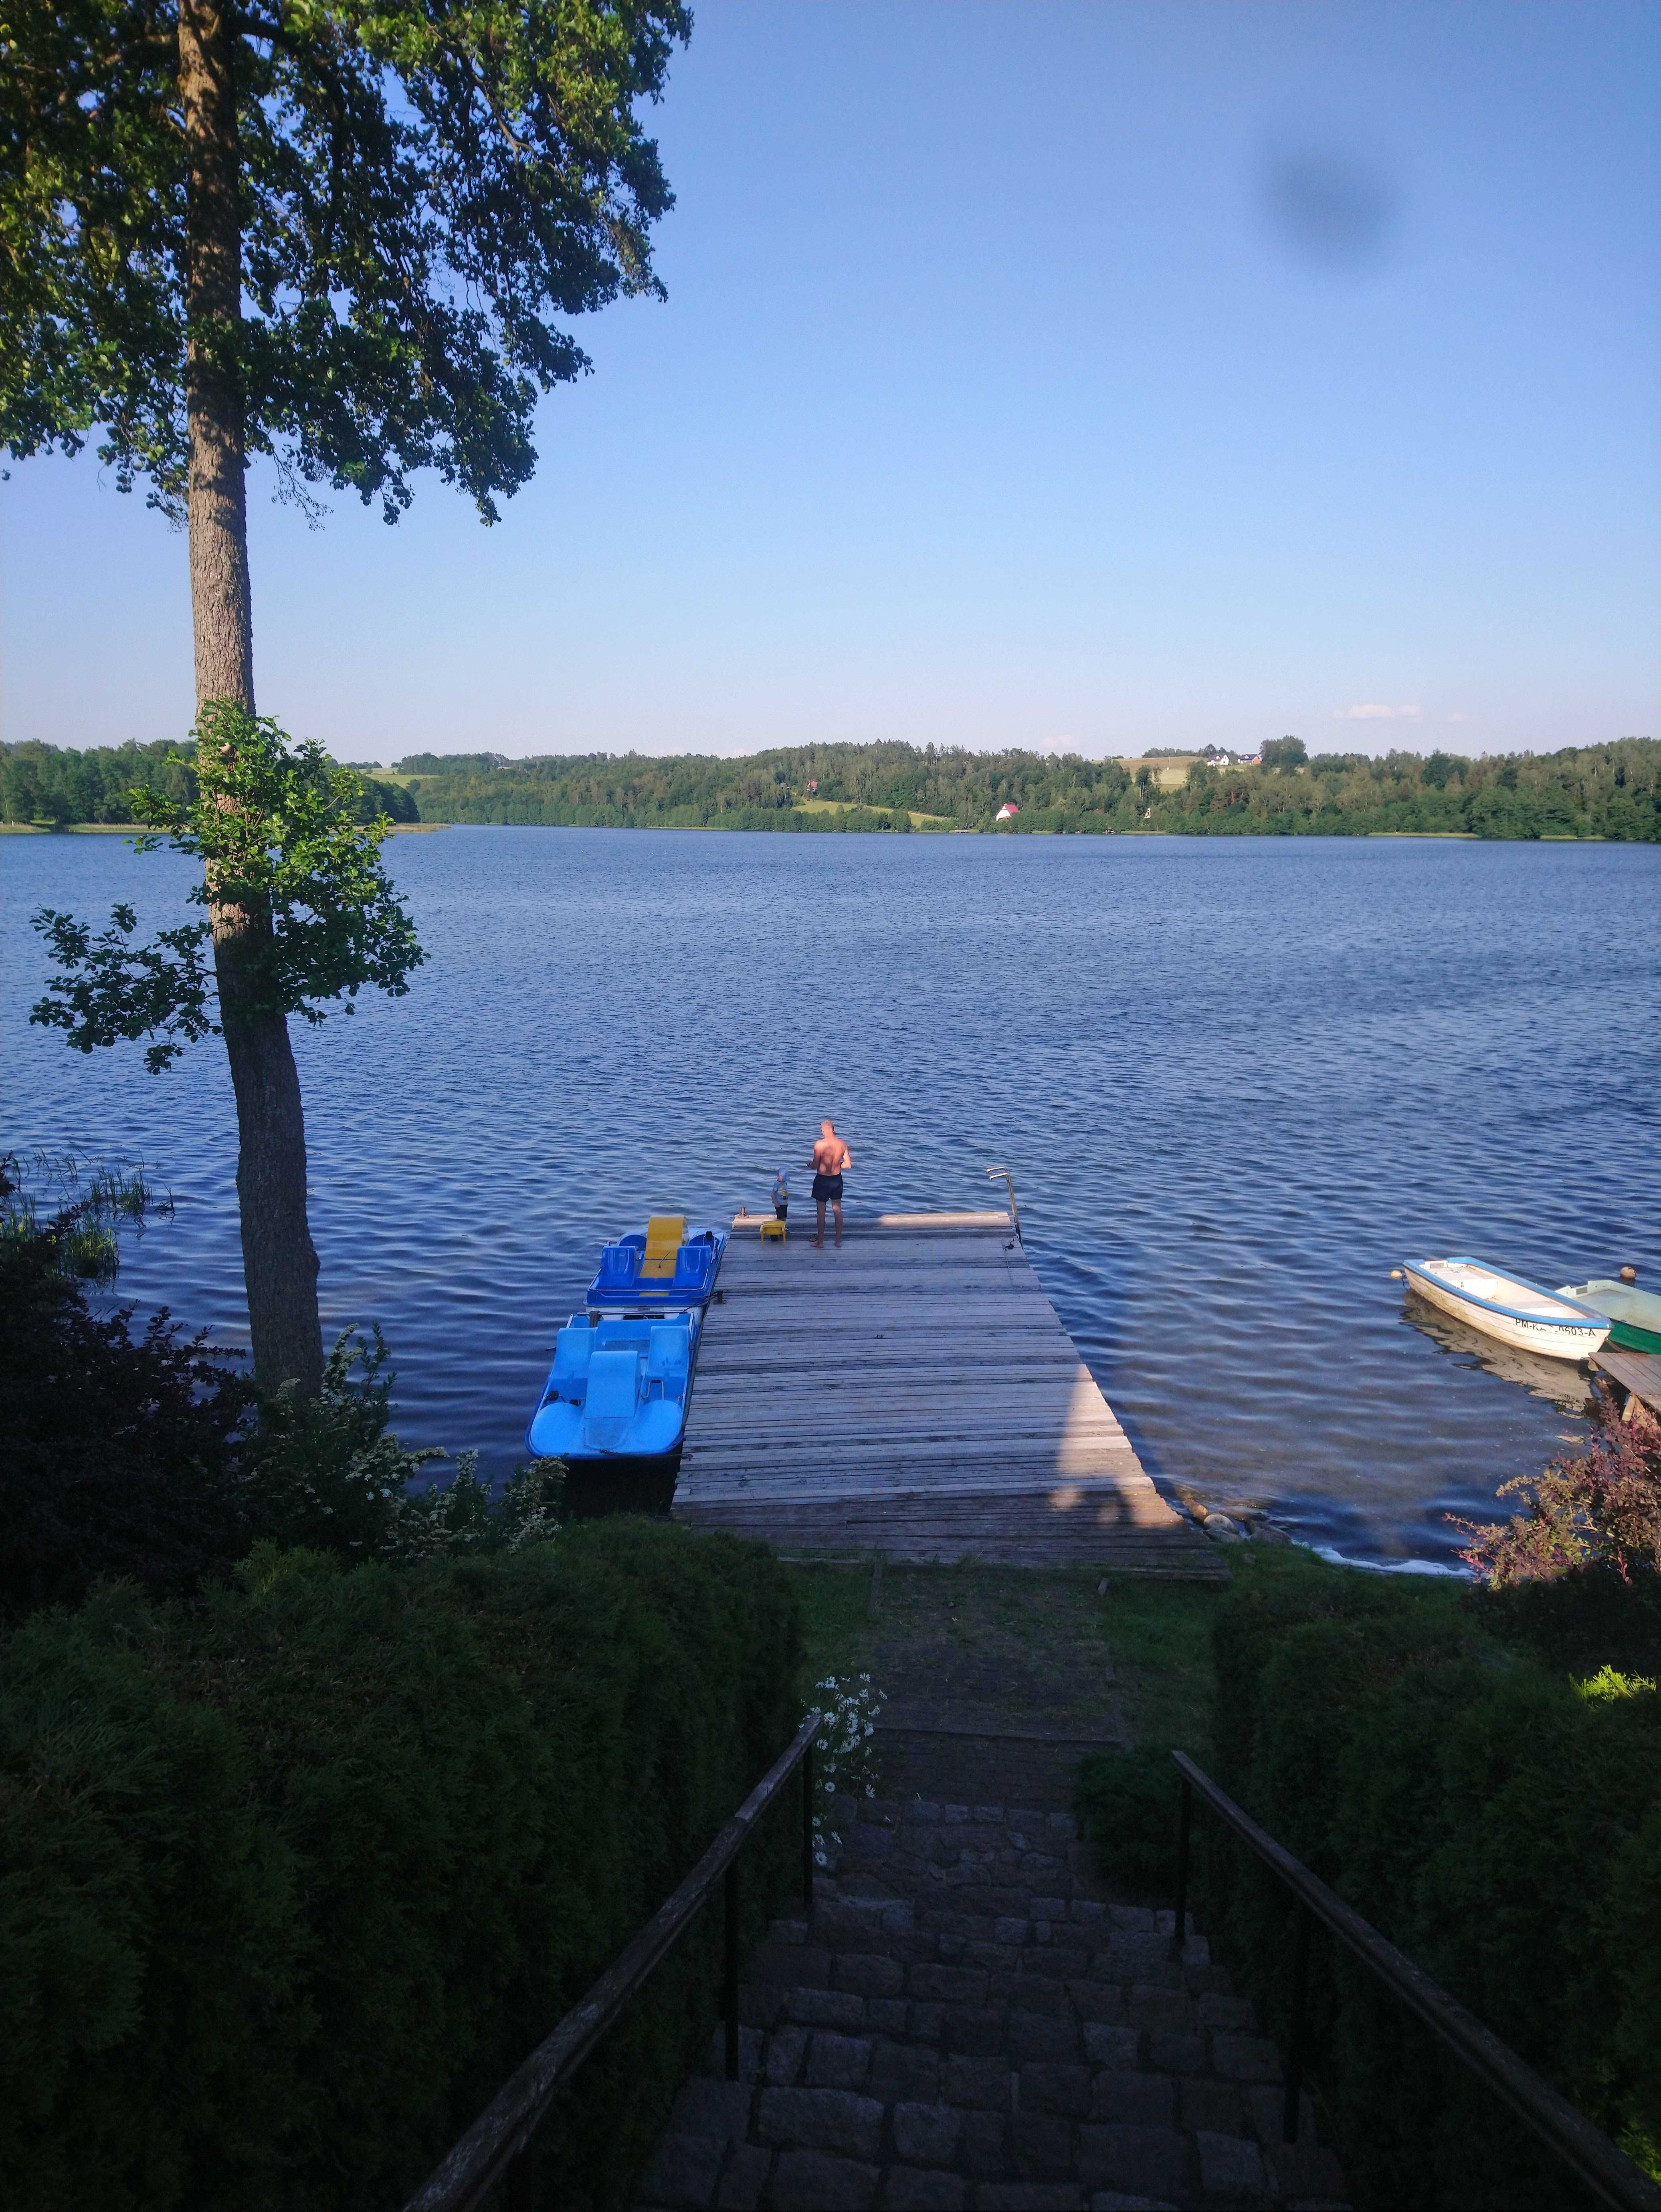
(1033, 1645)
(1168, 774)
(847, 806)
(69, 830)
(1052, 1645)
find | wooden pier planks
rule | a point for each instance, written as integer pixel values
(1637, 1373)
(914, 1394)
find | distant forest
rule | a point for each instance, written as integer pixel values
(1610, 791)
(1589, 791)
(55, 786)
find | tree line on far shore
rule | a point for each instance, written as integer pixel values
(55, 785)
(1588, 791)
(1611, 790)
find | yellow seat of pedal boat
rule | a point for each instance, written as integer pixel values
(664, 1233)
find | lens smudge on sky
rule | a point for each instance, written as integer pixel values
(1332, 209)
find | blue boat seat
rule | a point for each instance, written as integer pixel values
(572, 1348)
(613, 1385)
(619, 1265)
(666, 1360)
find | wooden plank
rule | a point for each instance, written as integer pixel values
(1637, 1371)
(1054, 1404)
(912, 1392)
(1126, 1498)
(881, 1228)
(1006, 1538)
(879, 1477)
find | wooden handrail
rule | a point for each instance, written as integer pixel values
(1612, 2178)
(503, 2132)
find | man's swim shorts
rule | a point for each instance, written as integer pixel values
(828, 1189)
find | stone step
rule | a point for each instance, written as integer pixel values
(993, 2047)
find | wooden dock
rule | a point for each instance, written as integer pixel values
(914, 1394)
(1639, 1374)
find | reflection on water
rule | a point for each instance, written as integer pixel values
(1237, 1080)
(1564, 1383)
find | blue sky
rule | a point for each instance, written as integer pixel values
(1083, 377)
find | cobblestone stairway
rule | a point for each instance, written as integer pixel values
(965, 2024)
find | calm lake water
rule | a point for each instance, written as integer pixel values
(1237, 1081)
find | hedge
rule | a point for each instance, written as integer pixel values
(291, 1879)
(121, 1458)
(1497, 1816)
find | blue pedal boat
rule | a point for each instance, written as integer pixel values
(618, 1389)
(615, 1404)
(668, 1269)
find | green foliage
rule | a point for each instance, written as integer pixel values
(279, 834)
(294, 1880)
(328, 1474)
(52, 783)
(1126, 1802)
(422, 191)
(376, 798)
(121, 1454)
(107, 988)
(87, 1210)
(1590, 1617)
(1602, 1508)
(847, 1759)
(56, 784)
(154, 1459)
(332, 1476)
(1484, 1812)
(449, 763)
(1604, 790)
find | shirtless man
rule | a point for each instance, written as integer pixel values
(830, 1157)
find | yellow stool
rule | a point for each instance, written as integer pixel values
(775, 1229)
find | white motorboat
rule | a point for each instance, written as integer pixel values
(1504, 1305)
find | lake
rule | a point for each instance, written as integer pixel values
(1237, 1080)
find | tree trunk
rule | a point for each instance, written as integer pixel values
(279, 1262)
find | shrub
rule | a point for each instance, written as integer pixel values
(330, 1474)
(1126, 1802)
(847, 1759)
(294, 1878)
(149, 1457)
(1603, 1509)
(1488, 1815)
(1576, 1622)
(120, 1456)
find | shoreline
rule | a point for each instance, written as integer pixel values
(135, 830)
(130, 830)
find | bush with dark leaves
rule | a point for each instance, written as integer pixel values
(120, 1453)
